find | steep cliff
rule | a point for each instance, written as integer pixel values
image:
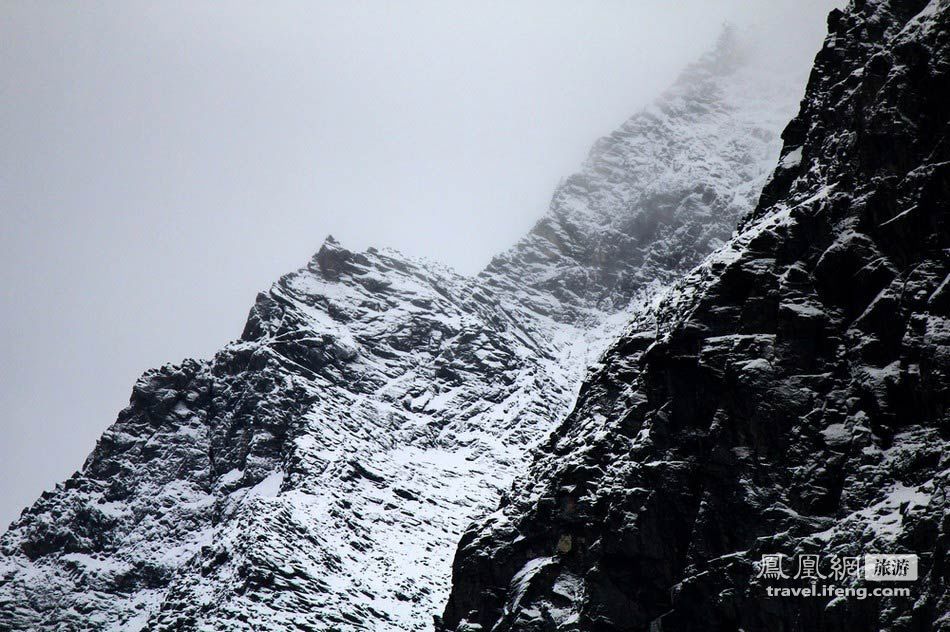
(316, 473)
(790, 397)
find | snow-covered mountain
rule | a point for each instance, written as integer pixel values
(791, 396)
(317, 473)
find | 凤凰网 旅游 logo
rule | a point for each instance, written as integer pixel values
(815, 575)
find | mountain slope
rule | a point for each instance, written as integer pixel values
(791, 396)
(317, 473)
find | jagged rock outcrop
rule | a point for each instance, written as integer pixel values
(791, 396)
(316, 473)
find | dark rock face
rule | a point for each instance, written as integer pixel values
(792, 397)
(317, 473)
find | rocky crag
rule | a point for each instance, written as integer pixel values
(317, 473)
(790, 397)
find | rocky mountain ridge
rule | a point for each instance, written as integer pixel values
(316, 473)
(791, 399)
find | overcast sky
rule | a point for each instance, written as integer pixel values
(160, 163)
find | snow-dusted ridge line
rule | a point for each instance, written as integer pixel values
(317, 473)
(792, 397)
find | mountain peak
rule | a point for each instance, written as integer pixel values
(318, 471)
(788, 401)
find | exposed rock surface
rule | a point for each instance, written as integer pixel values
(316, 474)
(791, 397)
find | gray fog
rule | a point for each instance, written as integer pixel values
(160, 163)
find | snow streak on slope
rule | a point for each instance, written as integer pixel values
(317, 473)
